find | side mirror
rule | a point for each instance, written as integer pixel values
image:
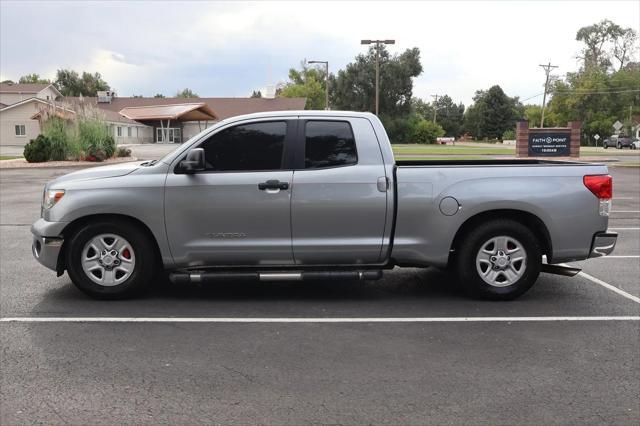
(194, 161)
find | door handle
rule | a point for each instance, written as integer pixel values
(273, 184)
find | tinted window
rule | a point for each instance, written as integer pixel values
(258, 146)
(329, 144)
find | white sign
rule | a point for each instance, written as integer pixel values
(596, 136)
(618, 125)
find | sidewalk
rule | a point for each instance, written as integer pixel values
(21, 163)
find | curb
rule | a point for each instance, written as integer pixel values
(19, 163)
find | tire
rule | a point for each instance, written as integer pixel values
(606, 145)
(619, 145)
(110, 259)
(512, 278)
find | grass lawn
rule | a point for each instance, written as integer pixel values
(485, 149)
(490, 149)
(625, 164)
(8, 157)
(593, 151)
(442, 158)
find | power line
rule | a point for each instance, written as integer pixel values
(599, 92)
(581, 92)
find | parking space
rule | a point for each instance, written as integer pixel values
(566, 352)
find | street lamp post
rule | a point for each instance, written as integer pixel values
(377, 43)
(326, 81)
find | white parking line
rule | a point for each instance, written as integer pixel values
(310, 320)
(623, 229)
(610, 287)
(625, 211)
(622, 256)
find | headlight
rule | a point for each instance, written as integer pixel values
(51, 198)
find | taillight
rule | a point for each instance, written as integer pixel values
(602, 187)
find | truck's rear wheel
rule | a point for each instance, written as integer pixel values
(499, 260)
(110, 260)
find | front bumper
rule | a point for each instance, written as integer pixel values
(47, 242)
(603, 244)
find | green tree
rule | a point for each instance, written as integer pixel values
(308, 82)
(256, 94)
(70, 83)
(33, 78)
(597, 99)
(7, 82)
(354, 87)
(449, 115)
(186, 93)
(421, 108)
(625, 44)
(596, 39)
(425, 131)
(473, 116)
(533, 114)
(137, 96)
(492, 113)
(159, 95)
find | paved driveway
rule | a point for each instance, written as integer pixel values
(410, 349)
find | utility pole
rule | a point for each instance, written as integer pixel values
(326, 81)
(435, 107)
(547, 70)
(377, 43)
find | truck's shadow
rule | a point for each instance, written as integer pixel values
(398, 284)
(417, 284)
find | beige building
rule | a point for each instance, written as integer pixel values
(20, 122)
(20, 107)
(130, 120)
(11, 93)
(174, 121)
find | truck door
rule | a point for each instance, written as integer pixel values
(237, 211)
(339, 204)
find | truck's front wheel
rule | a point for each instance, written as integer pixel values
(110, 260)
(499, 260)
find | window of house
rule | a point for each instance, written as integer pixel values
(119, 131)
(20, 130)
(247, 147)
(329, 144)
(129, 132)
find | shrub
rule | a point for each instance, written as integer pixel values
(109, 146)
(94, 138)
(399, 129)
(57, 131)
(37, 150)
(123, 152)
(509, 135)
(97, 155)
(425, 132)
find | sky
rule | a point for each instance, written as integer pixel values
(229, 49)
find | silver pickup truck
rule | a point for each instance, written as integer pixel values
(315, 195)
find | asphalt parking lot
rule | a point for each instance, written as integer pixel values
(410, 349)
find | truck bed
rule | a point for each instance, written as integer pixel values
(488, 162)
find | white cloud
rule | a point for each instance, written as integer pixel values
(228, 49)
